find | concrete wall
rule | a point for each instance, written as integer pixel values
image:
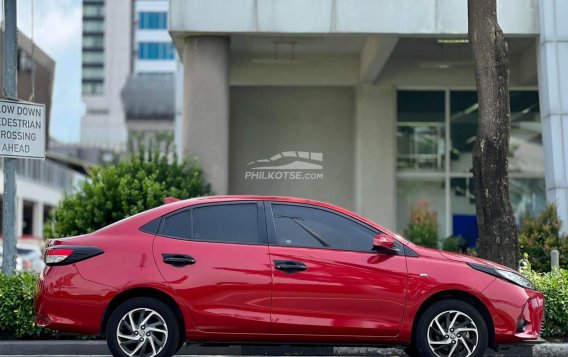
(266, 121)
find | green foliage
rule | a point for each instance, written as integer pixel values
(17, 306)
(539, 235)
(554, 286)
(454, 244)
(133, 185)
(423, 226)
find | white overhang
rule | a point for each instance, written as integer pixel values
(396, 17)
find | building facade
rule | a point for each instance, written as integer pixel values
(106, 64)
(368, 104)
(148, 96)
(128, 72)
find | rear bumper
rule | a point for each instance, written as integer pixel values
(65, 301)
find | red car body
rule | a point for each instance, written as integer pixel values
(234, 293)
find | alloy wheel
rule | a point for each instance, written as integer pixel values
(452, 333)
(142, 332)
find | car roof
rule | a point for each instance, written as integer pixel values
(228, 198)
(173, 205)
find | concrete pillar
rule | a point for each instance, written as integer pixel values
(375, 154)
(205, 127)
(553, 85)
(38, 219)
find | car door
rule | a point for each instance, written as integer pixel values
(216, 258)
(326, 278)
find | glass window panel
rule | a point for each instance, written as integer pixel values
(92, 88)
(528, 197)
(463, 129)
(155, 50)
(525, 148)
(93, 41)
(170, 54)
(153, 20)
(141, 48)
(463, 214)
(92, 10)
(93, 26)
(411, 191)
(526, 153)
(93, 73)
(420, 130)
(93, 57)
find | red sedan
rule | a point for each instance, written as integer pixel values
(243, 269)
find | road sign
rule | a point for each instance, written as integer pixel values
(22, 129)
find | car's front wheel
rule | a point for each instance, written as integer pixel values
(451, 328)
(143, 327)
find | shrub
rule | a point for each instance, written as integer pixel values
(539, 235)
(17, 306)
(423, 226)
(136, 184)
(456, 244)
(554, 286)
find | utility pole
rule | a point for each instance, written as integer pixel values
(10, 78)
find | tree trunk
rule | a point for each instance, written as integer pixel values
(497, 229)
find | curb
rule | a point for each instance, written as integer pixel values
(98, 347)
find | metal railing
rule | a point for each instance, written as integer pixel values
(48, 173)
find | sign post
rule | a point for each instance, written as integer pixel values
(22, 134)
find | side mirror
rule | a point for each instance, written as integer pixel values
(383, 243)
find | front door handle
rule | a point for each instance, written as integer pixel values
(290, 266)
(178, 260)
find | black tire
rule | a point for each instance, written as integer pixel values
(138, 306)
(445, 311)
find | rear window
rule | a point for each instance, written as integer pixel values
(230, 223)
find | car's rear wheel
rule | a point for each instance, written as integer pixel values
(451, 328)
(143, 327)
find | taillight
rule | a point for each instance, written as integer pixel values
(67, 254)
(55, 255)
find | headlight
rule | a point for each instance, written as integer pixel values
(508, 275)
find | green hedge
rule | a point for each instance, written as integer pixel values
(554, 286)
(539, 235)
(17, 307)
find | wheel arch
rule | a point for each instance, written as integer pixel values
(144, 292)
(462, 296)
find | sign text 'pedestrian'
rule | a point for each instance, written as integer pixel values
(22, 129)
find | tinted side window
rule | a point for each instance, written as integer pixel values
(232, 223)
(177, 225)
(301, 226)
(152, 226)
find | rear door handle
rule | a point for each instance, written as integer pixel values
(178, 260)
(290, 266)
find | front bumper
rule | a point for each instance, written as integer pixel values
(518, 313)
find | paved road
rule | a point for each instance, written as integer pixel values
(98, 348)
